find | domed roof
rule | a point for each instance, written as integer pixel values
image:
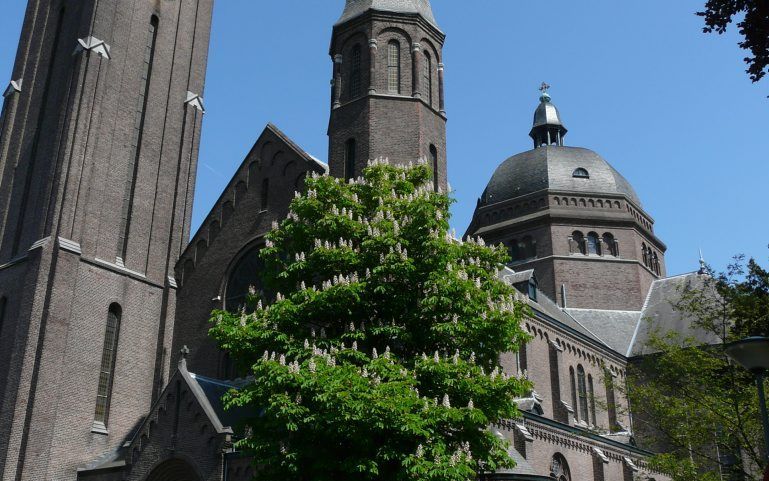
(354, 8)
(568, 169)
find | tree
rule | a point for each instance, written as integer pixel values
(378, 357)
(689, 398)
(753, 26)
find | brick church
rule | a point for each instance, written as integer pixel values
(106, 370)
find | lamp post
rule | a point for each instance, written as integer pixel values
(752, 353)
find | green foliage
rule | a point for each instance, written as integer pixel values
(753, 24)
(689, 397)
(378, 358)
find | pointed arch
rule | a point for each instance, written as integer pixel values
(107, 369)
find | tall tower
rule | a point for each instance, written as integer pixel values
(566, 213)
(387, 91)
(98, 153)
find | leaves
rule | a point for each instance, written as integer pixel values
(689, 399)
(370, 362)
(753, 26)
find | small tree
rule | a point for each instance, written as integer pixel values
(690, 398)
(378, 358)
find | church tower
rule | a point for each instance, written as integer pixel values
(387, 90)
(98, 152)
(566, 213)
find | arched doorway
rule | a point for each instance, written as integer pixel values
(174, 470)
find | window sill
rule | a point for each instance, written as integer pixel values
(99, 428)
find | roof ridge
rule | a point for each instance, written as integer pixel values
(601, 310)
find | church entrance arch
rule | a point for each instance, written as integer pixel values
(174, 470)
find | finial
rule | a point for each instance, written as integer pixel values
(703, 265)
(184, 351)
(545, 97)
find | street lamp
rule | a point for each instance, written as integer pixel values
(752, 353)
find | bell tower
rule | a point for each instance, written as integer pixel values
(387, 98)
(99, 137)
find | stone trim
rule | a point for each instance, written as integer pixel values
(70, 246)
(14, 87)
(195, 100)
(93, 44)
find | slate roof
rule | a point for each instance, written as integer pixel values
(616, 328)
(355, 8)
(552, 167)
(659, 313)
(214, 389)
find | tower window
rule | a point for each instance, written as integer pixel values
(593, 244)
(427, 78)
(265, 199)
(394, 67)
(434, 162)
(355, 72)
(107, 369)
(577, 243)
(610, 243)
(349, 159)
(581, 173)
(582, 386)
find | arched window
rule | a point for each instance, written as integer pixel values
(394, 67)
(355, 72)
(349, 159)
(427, 78)
(577, 243)
(573, 383)
(245, 275)
(591, 397)
(611, 245)
(107, 369)
(645, 254)
(610, 400)
(528, 248)
(593, 244)
(656, 263)
(434, 162)
(584, 414)
(514, 250)
(581, 173)
(265, 198)
(559, 468)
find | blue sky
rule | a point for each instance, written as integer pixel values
(670, 107)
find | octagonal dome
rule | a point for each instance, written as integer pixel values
(557, 168)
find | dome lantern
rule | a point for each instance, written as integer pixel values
(548, 128)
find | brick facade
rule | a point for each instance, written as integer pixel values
(401, 122)
(98, 154)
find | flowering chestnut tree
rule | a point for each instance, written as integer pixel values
(378, 356)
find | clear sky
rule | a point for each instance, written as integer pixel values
(670, 107)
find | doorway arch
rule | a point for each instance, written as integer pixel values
(174, 470)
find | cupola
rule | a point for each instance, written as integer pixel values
(548, 128)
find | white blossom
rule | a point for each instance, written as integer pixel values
(445, 401)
